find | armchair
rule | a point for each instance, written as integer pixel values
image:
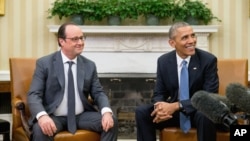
(229, 70)
(21, 72)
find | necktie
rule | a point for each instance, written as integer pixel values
(184, 94)
(71, 119)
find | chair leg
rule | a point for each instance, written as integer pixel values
(6, 136)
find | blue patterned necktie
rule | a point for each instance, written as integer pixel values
(184, 95)
(71, 118)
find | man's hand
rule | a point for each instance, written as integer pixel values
(47, 125)
(163, 111)
(107, 121)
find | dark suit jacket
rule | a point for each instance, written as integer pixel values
(47, 87)
(202, 76)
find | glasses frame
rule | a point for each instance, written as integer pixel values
(76, 39)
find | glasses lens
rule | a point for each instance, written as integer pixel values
(76, 39)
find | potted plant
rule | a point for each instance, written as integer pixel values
(95, 9)
(74, 8)
(117, 10)
(154, 10)
(193, 11)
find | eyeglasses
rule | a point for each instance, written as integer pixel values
(76, 39)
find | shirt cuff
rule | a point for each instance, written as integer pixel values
(41, 114)
(106, 109)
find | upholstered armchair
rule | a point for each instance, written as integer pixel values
(229, 71)
(21, 72)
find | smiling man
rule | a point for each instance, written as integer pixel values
(62, 83)
(180, 73)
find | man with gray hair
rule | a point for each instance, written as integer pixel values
(180, 73)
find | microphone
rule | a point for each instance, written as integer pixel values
(239, 95)
(233, 108)
(213, 108)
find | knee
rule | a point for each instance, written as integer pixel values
(142, 112)
(36, 129)
(138, 112)
(37, 132)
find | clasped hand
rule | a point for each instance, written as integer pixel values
(163, 111)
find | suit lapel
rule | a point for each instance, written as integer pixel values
(173, 70)
(58, 64)
(80, 74)
(193, 69)
(80, 82)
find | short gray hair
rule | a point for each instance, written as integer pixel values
(174, 27)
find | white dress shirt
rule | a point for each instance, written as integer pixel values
(62, 108)
(179, 64)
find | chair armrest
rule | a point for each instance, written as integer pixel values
(21, 108)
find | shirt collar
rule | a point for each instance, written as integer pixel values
(65, 59)
(179, 60)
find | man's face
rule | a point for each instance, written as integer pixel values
(73, 44)
(184, 41)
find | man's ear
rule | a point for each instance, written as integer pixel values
(171, 43)
(60, 40)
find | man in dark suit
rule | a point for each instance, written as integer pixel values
(166, 105)
(47, 97)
